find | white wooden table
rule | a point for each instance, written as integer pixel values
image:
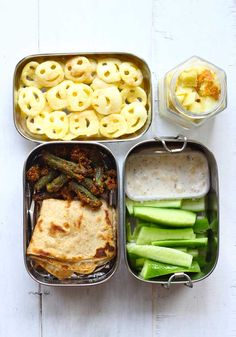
(165, 33)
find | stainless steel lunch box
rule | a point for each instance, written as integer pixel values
(20, 125)
(97, 277)
(173, 145)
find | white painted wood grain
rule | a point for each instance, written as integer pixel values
(207, 29)
(165, 37)
(96, 25)
(120, 307)
(123, 306)
(19, 309)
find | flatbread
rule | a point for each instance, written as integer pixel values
(69, 237)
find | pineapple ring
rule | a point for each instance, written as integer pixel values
(131, 74)
(78, 68)
(113, 126)
(56, 124)
(57, 96)
(135, 115)
(28, 76)
(84, 123)
(36, 124)
(107, 101)
(135, 94)
(108, 70)
(31, 101)
(79, 97)
(49, 73)
(92, 73)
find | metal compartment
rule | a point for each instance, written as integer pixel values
(174, 145)
(61, 57)
(101, 274)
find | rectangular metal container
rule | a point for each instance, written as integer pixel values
(147, 76)
(174, 145)
(97, 277)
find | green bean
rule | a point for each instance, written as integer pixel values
(84, 194)
(57, 183)
(44, 180)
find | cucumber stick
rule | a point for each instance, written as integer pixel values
(201, 258)
(168, 217)
(154, 269)
(159, 203)
(199, 242)
(135, 261)
(148, 234)
(201, 225)
(129, 232)
(195, 205)
(193, 251)
(140, 262)
(161, 254)
(130, 205)
(183, 249)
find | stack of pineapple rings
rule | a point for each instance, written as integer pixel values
(82, 98)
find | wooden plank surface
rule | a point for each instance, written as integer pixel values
(164, 32)
(122, 306)
(19, 309)
(206, 29)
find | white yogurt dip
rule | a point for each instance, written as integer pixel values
(158, 176)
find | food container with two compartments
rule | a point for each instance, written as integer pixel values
(176, 147)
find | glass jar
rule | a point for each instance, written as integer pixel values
(172, 95)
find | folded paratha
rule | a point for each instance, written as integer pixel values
(69, 237)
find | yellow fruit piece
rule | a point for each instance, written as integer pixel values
(180, 98)
(189, 99)
(182, 91)
(209, 103)
(188, 78)
(197, 107)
